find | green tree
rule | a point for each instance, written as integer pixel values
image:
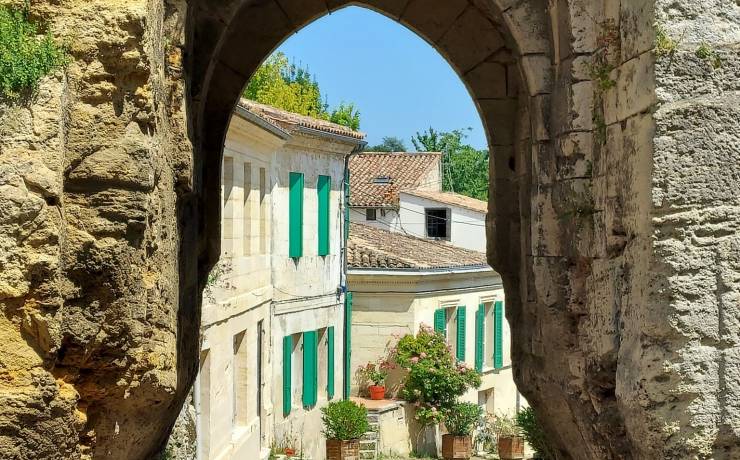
(389, 144)
(346, 115)
(287, 86)
(464, 168)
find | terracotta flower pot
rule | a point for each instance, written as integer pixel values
(377, 392)
(289, 451)
(510, 447)
(342, 450)
(456, 447)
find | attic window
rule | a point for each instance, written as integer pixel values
(382, 180)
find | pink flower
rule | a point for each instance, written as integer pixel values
(414, 360)
(423, 355)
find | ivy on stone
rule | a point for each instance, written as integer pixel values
(26, 55)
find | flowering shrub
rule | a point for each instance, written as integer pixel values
(435, 380)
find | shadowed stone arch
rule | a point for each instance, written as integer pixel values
(504, 52)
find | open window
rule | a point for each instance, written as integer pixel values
(437, 223)
(371, 214)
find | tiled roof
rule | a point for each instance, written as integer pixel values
(288, 120)
(404, 170)
(454, 199)
(370, 247)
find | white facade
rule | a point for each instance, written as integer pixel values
(467, 227)
(388, 304)
(258, 294)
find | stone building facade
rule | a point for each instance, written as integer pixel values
(613, 214)
(265, 290)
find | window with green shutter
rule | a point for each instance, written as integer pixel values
(310, 368)
(287, 374)
(347, 343)
(295, 211)
(440, 321)
(498, 335)
(330, 363)
(324, 191)
(480, 316)
(460, 338)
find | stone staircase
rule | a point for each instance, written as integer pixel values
(369, 442)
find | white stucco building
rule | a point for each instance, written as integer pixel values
(400, 282)
(273, 323)
(402, 192)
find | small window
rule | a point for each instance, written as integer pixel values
(437, 223)
(382, 180)
(371, 214)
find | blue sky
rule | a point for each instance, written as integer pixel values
(400, 84)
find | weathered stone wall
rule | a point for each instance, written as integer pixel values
(89, 287)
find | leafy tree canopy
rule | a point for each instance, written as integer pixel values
(287, 86)
(389, 144)
(465, 169)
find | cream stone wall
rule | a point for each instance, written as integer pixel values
(389, 304)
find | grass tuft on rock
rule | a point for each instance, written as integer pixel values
(26, 54)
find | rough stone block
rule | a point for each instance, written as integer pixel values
(432, 19)
(470, 40)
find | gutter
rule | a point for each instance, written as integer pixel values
(334, 137)
(343, 276)
(478, 268)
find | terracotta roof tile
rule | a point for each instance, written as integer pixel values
(403, 170)
(370, 247)
(288, 120)
(452, 199)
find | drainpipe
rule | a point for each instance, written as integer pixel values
(343, 277)
(198, 427)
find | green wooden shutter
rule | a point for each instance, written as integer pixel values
(479, 333)
(295, 248)
(287, 376)
(347, 343)
(440, 321)
(460, 339)
(498, 331)
(324, 190)
(330, 363)
(310, 368)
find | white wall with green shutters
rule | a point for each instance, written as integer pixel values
(386, 305)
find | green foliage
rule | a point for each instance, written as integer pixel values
(346, 115)
(461, 418)
(344, 420)
(708, 54)
(664, 44)
(284, 85)
(434, 380)
(464, 168)
(25, 55)
(533, 433)
(375, 372)
(389, 144)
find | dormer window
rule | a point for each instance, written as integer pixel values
(382, 180)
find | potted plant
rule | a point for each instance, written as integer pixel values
(376, 374)
(510, 442)
(533, 433)
(345, 422)
(460, 421)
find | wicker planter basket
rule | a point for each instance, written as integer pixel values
(456, 447)
(342, 450)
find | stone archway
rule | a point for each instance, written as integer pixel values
(614, 213)
(546, 229)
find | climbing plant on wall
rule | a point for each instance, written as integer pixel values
(26, 55)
